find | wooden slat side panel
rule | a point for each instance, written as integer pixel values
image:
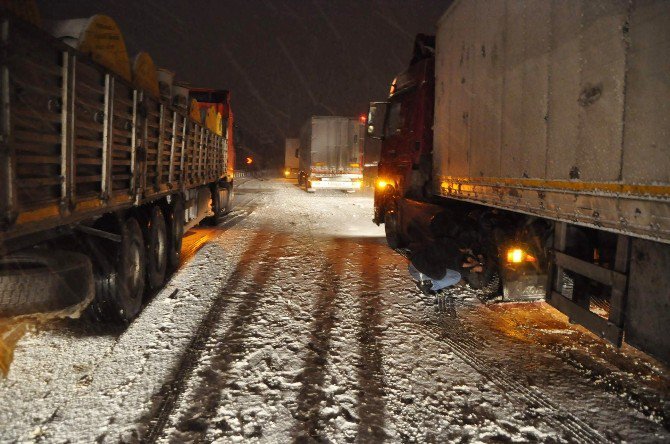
(166, 148)
(122, 130)
(35, 91)
(89, 115)
(151, 142)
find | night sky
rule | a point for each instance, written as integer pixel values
(283, 60)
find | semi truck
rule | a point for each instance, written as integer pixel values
(291, 161)
(331, 153)
(533, 136)
(99, 178)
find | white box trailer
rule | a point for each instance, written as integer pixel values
(561, 109)
(331, 153)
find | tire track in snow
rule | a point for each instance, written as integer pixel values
(171, 391)
(371, 383)
(464, 345)
(311, 394)
(194, 424)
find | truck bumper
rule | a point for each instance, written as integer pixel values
(346, 185)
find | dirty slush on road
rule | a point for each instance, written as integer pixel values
(314, 330)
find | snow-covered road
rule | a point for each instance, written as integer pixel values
(293, 321)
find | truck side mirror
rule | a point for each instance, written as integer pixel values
(376, 117)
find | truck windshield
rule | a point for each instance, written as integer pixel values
(394, 121)
(398, 112)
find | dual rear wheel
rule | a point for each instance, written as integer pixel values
(149, 248)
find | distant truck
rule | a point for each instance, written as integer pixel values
(536, 134)
(99, 178)
(331, 153)
(291, 160)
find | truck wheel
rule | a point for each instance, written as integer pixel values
(393, 238)
(224, 196)
(120, 277)
(39, 281)
(157, 249)
(231, 196)
(219, 197)
(175, 226)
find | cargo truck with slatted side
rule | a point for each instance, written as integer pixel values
(99, 178)
(541, 129)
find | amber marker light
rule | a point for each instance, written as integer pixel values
(517, 256)
(287, 173)
(249, 160)
(381, 184)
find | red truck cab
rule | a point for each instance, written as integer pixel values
(220, 100)
(405, 126)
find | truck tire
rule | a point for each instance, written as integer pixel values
(120, 277)
(175, 231)
(231, 196)
(224, 196)
(157, 249)
(38, 281)
(219, 202)
(393, 238)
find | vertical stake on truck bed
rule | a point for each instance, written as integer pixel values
(610, 329)
(7, 168)
(183, 153)
(107, 128)
(160, 147)
(68, 167)
(173, 136)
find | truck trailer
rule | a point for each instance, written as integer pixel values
(331, 153)
(99, 179)
(536, 134)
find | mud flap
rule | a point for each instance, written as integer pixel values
(522, 285)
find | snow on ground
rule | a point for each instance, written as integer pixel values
(308, 327)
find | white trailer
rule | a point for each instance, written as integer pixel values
(331, 153)
(561, 110)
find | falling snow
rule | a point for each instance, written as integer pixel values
(296, 321)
